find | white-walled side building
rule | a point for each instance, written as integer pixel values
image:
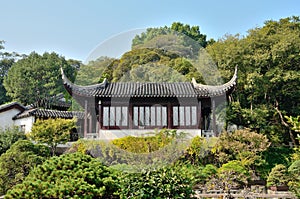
(15, 114)
(7, 112)
(24, 123)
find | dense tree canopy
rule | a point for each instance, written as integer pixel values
(6, 61)
(91, 73)
(37, 77)
(269, 75)
(151, 65)
(192, 34)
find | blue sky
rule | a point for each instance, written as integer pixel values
(73, 28)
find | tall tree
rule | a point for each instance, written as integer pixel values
(269, 75)
(91, 73)
(148, 65)
(35, 78)
(6, 61)
(179, 37)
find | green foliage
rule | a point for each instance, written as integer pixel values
(158, 55)
(150, 65)
(52, 131)
(268, 60)
(5, 64)
(199, 149)
(6, 61)
(91, 72)
(145, 144)
(294, 183)
(33, 79)
(198, 174)
(274, 156)
(73, 175)
(104, 151)
(167, 182)
(242, 145)
(132, 155)
(209, 170)
(295, 122)
(278, 176)
(17, 162)
(231, 175)
(296, 154)
(9, 136)
(189, 38)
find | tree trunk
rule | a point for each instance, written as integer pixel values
(292, 137)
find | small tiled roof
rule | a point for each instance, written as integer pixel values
(12, 105)
(149, 89)
(47, 113)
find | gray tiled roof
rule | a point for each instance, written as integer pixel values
(47, 113)
(150, 89)
(11, 105)
(130, 89)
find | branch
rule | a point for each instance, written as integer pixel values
(285, 124)
(281, 117)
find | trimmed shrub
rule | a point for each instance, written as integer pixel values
(73, 175)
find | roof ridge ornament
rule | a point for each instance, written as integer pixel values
(67, 82)
(213, 90)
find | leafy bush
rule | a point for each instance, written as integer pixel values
(17, 162)
(167, 182)
(231, 175)
(146, 144)
(273, 157)
(52, 131)
(112, 155)
(278, 176)
(198, 175)
(9, 136)
(294, 171)
(73, 175)
(242, 145)
(199, 150)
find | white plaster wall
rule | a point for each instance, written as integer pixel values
(6, 118)
(27, 121)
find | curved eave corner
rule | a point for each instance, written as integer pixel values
(79, 90)
(218, 90)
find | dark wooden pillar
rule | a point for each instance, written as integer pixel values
(170, 115)
(214, 122)
(90, 122)
(85, 119)
(199, 115)
(99, 116)
(130, 116)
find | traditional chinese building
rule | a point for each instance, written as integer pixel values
(116, 109)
